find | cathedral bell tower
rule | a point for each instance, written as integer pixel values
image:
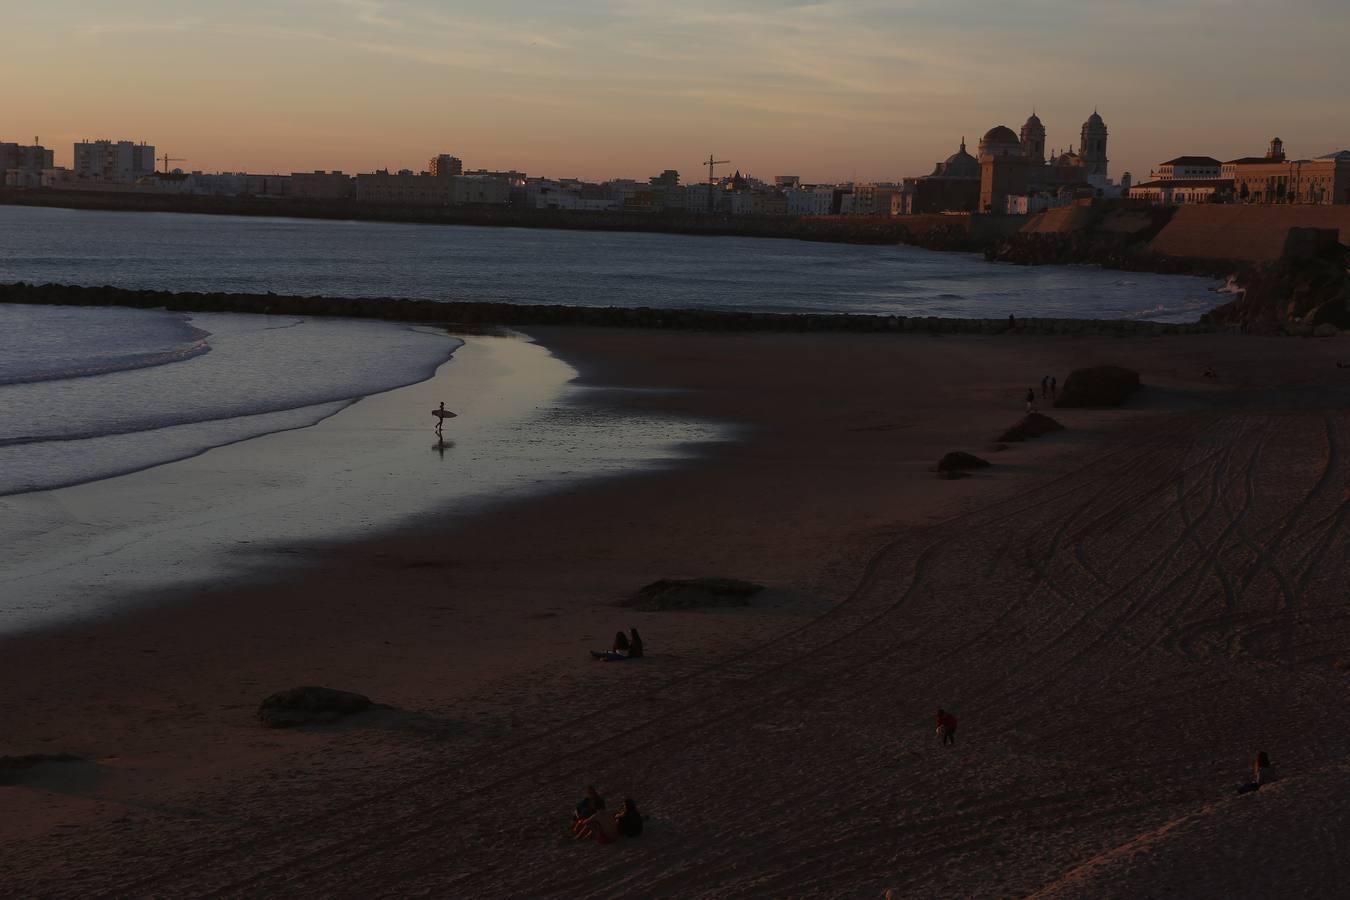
(1033, 139)
(1092, 146)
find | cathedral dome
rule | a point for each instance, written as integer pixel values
(1034, 122)
(999, 134)
(1000, 141)
(1095, 120)
(961, 164)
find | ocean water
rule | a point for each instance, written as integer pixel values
(350, 259)
(91, 393)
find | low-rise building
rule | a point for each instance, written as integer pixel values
(811, 200)
(1182, 191)
(321, 185)
(1188, 168)
(404, 188)
(1184, 180)
(1274, 178)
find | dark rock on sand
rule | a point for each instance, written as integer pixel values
(307, 705)
(1034, 425)
(1098, 386)
(694, 593)
(960, 461)
(13, 767)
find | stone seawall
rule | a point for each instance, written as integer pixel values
(510, 314)
(1252, 234)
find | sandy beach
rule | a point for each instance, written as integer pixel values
(1120, 615)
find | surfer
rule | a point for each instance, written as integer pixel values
(441, 415)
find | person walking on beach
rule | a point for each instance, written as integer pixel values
(946, 727)
(1045, 386)
(1262, 773)
(1052, 387)
(1031, 400)
(1012, 322)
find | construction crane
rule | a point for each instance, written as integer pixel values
(166, 159)
(712, 183)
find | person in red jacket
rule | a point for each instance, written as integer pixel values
(946, 726)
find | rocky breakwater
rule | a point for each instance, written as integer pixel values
(1305, 293)
(521, 315)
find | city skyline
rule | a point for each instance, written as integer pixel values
(627, 88)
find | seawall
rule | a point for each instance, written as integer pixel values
(1253, 234)
(478, 314)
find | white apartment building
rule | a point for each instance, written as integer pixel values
(812, 200)
(116, 161)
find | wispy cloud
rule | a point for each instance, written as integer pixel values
(98, 29)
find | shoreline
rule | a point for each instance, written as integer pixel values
(475, 632)
(209, 506)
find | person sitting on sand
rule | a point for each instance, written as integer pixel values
(634, 644)
(586, 807)
(604, 828)
(628, 819)
(1262, 773)
(946, 726)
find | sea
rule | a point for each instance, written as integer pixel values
(93, 395)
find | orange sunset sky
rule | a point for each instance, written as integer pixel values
(625, 88)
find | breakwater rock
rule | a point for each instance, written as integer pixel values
(1098, 386)
(520, 315)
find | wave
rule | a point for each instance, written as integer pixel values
(261, 375)
(107, 367)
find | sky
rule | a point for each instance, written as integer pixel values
(830, 91)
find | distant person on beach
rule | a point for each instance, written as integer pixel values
(628, 819)
(601, 826)
(1031, 400)
(1045, 386)
(1012, 322)
(1262, 773)
(1053, 383)
(629, 647)
(946, 727)
(586, 807)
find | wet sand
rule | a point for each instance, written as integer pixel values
(1119, 615)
